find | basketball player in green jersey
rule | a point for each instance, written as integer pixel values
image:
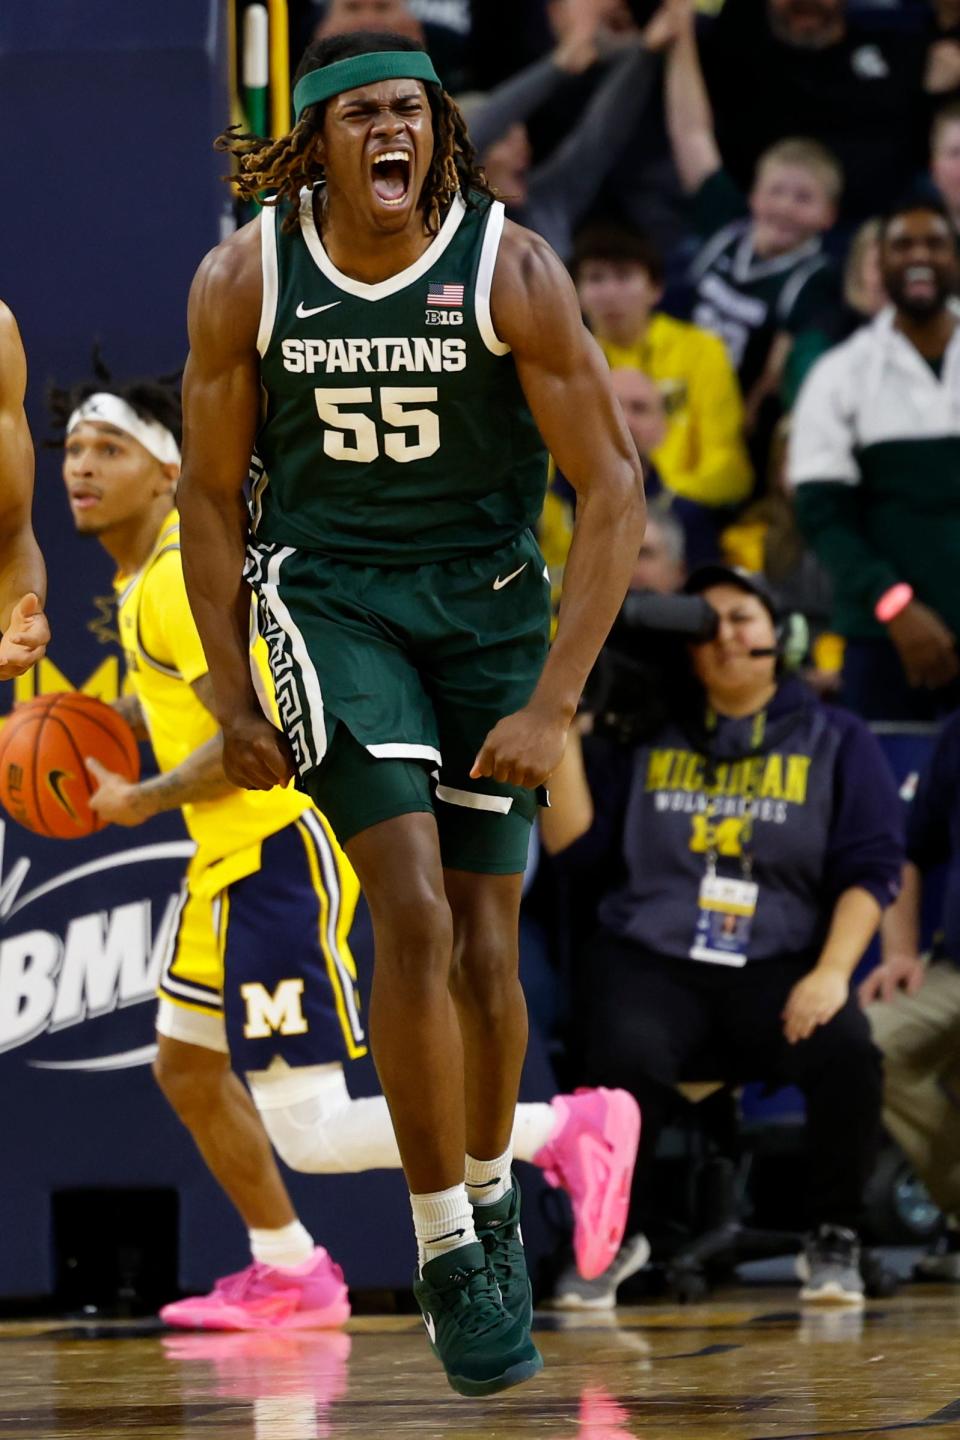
(23, 579)
(411, 350)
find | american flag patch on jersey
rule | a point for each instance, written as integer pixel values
(445, 295)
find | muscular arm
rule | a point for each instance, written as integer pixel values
(22, 571)
(565, 381)
(201, 776)
(221, 401)
(198, 778)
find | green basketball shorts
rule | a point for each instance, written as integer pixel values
(388, 681)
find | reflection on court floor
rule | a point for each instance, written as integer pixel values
(748, 1367)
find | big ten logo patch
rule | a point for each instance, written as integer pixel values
(278, 1014)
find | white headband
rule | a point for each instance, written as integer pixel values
(153, 436)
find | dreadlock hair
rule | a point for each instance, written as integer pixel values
(151, 399)
(287, 165)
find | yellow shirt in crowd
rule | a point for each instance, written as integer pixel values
(703, 456)
(164, 656)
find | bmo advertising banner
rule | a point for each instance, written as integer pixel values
(85, 925)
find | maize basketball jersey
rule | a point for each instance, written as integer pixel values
(395, 429)
(164, 657)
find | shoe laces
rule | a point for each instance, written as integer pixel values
(475, 1295)
(500, 1253)
(235, 1286)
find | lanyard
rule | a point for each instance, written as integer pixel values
(711, 797)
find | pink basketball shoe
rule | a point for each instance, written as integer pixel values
(591, 1156)
(265, 1298)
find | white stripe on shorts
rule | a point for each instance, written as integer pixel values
(185, 989)
(331, 881)
(193, 994)
(475, 800)
(397, 750)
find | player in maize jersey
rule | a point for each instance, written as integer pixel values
(23, 579)
(257, 969)
(415, 355)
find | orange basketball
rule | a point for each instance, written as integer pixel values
(44, 783)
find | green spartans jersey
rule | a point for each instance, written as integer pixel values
(395, 428)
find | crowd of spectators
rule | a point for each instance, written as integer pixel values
(758, 203)
(717, 184)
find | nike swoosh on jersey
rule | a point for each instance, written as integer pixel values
(304, 313)
(498, 584)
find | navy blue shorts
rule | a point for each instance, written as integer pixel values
(260, 964)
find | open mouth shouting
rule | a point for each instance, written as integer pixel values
(391, 174)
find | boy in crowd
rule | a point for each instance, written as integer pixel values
(761, 273)
(701, 456)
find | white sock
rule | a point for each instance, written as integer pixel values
(489, 1180)
(533, 1126)
(288, 1248)
(443, 1221)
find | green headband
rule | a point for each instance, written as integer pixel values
(362, 70)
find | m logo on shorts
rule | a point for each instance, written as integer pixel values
(280, 1013)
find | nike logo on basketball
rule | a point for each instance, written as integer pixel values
(498, 584)
(431, 1327)
(303, 313)
(55, 780)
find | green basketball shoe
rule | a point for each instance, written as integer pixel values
(498, 1230)
(481, 1347)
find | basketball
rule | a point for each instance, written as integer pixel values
(44, 782)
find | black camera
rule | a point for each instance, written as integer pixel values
(643, 670)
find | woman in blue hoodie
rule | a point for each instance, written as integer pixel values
(751, 843)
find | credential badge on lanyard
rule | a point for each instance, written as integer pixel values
(727, 904)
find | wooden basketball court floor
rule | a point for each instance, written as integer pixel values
(747, 1366)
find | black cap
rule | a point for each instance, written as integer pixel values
(752, 584)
